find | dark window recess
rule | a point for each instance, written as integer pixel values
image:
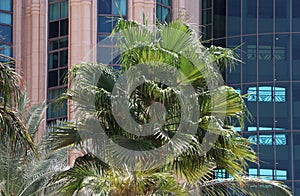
(64, 27)
(163, 11)
(53, 29)
(52, 78)
(62, 76)
(53, 60)
(104, 7)
(63, 58)
(57, 58)
(6, 33)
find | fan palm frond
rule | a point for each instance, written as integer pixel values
(249, 186)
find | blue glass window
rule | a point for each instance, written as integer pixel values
(206, 4)
(296, 15)
(234, 17)
(251, 129)
(249, 59)
(267, 94)
(105, 24)
(265, 58)
(53, 78)
(53, 60)
(265, 13)
(249, 16)
(268, 174)
(57, 58)
(6, 34)
(120, 7)
(108, 13)
(64, 9)
(296, 154)
(235, 74)
(5, 49)
(5, 18)
(57, 109)
(296, 107)
(112, 7)
(220, 174)
(296, 54)
(64, 27)
(219, 20)
(269, 140)
(282, 15)
(54, 11)
(104, 6)
(6, 5)
(54, 29)
(58, 10)
(163, 10)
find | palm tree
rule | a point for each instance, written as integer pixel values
(13, 130)
(168, 87)
(21, 171)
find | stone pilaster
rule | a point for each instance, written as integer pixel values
(193, 8)
(18, 32)
(82, 34)
(143, 7)
(34, 65)
(82, 31)
(30, 47)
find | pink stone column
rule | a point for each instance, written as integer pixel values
(82, 34)
(193, 8)
(82, 30)
(138, 10)
(150, 11)
(31, 49)
(18, 32)
(130, 9)
(34, 65)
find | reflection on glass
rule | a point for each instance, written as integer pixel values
(6, 5)
(250, 15)
(54, 11)
(267, 94)
(163, 11)
(251, 129)
(234, 17)
(282, 15)
(268, 174)
(104, 6)
(296, 15)
(265, 14)
(120, 7)
(57, 58)
(268, 140)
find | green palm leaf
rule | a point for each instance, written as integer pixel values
(249, 186)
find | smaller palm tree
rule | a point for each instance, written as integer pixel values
(22, 170)
(13, 128)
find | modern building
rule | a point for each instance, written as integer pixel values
(46, 37)
(266, 35)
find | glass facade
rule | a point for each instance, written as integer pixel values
(108, 13)
(57, 58)
(6, 23)
(267, 34)
(164, 10)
